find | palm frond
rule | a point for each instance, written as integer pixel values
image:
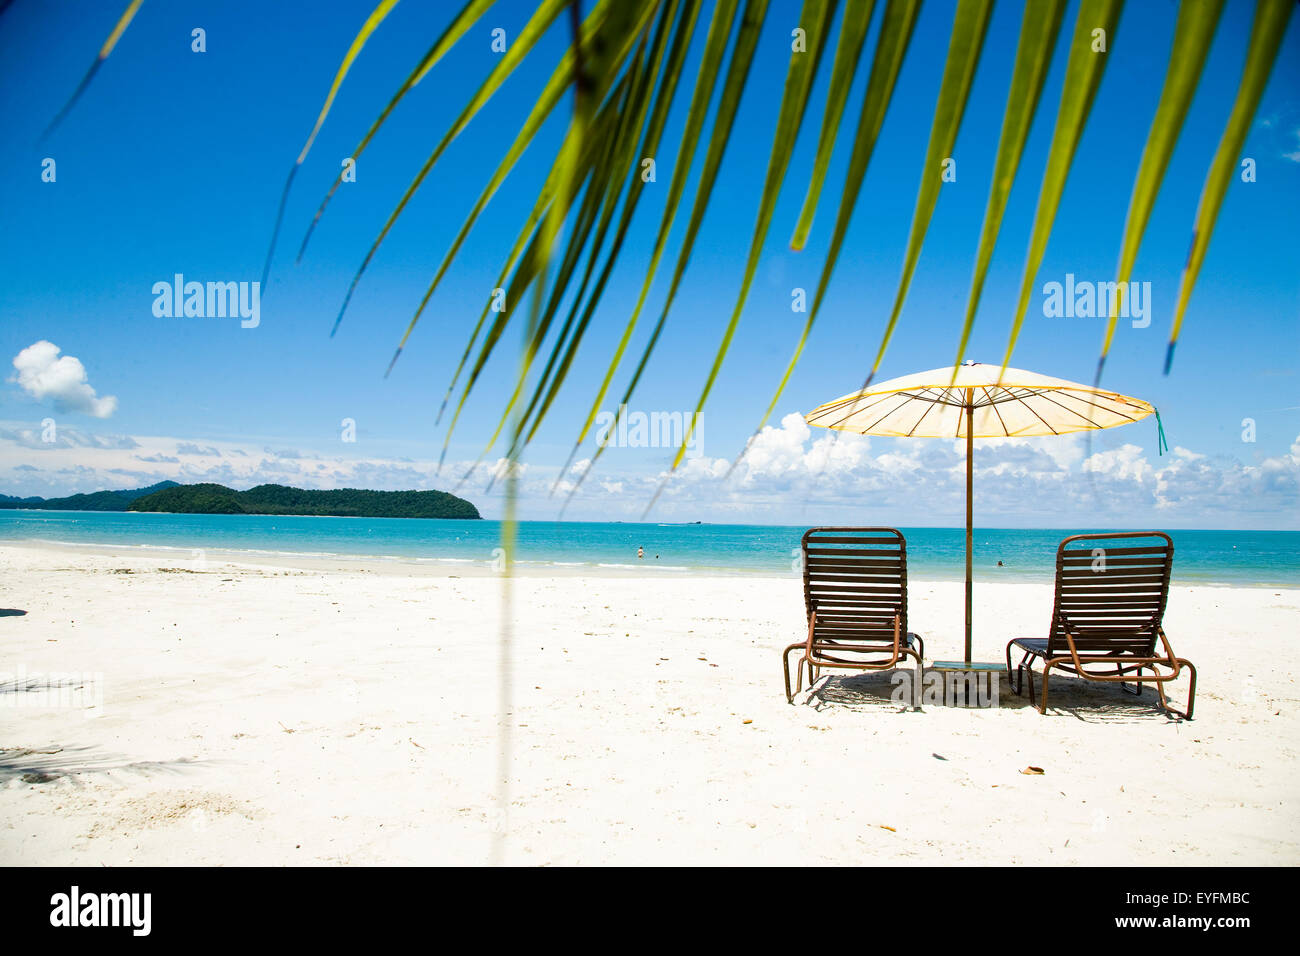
(724, 15)
(575, 327)
(608, 50)
(546, 14)
(1193, 33)
(555, 88)
(1083, 72)
(459, 26)
(119, 28)
(573, 237)
(969, 26)
(742, 55)
(1266, 33)
(848, 51)
(897, 23)
(372, 23)
(817, 14)
(1040, 27)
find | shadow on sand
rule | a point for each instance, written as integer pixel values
(1084, 700)
(53, 763)
(38, 685)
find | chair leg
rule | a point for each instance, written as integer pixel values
(1137, 684)
(1048, 664)
(785, 662)
(1191, 693)
(1025, 669)
(1022, 672)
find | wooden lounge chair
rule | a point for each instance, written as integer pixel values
(1111, 591)
(855, 593)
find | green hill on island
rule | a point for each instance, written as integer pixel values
(95, 501)
(282, 500)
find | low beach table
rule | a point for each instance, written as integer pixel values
(966, 666)
(969, 668)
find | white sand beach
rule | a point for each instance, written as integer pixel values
(317, 715)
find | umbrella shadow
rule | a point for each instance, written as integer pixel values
(1095, 702)
(48, 764)
(1084, 700)
(11, 612)
(878, 691)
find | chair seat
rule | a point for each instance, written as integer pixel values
(1034, 645)
(870, 644)
(1038, 647)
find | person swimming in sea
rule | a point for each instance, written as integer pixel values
(640, 553)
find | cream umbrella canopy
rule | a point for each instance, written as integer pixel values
(977, 401)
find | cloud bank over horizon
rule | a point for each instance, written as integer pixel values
(791, 475)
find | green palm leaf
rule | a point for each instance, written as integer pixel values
(595, 203)
(896, 27)
(372, 23)
(547, 12)
(1039, 28)
(1266, 33)
(119, 28)
(555, 88)
(724, 14)
(1083, 74)
(575, 327)
(458, 27)
(737, 72)
(794, 103)
(853, 34)
(969, 27)
(608, 49)
(535, 257)
(1197, 21)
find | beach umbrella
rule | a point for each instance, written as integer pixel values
(977, 401)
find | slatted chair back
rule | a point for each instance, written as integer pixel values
(1111, 591)
(855, 579)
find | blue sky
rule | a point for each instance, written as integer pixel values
(173, 162)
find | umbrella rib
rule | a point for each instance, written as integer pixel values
(1048, 398)
(1092, 403)
(855, 411)
(906, 396)
(1034, 412)
(994, 405)
(1010, 396)
(906, 399)
(928, 409)
(855, 401)
(994, 394)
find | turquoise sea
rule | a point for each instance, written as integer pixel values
(1256, 558)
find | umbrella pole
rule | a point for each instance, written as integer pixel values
(970, 459)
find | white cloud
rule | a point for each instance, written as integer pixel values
(43, 374)
(791, 475)
(1294, 156)
(188, 448)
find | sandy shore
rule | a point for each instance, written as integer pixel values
(237, 714)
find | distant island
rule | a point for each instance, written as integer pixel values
(97, 501)
(168, 496)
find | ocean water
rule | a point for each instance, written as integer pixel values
(1255, 558)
